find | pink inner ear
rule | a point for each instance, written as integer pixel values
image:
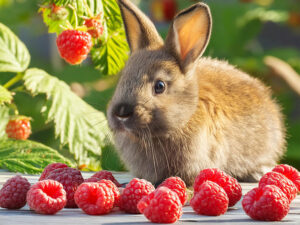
(192, 32)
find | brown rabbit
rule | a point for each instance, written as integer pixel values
(174, 113)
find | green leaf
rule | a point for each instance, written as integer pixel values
(111, 55)
(14, 56)
(5, 95)
(4, 115)
(27, 156)
(79, 125)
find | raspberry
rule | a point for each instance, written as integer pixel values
(290, 172)
(48, 169)
(104, 174)
(74, 45)
(94, 198)
(114, 189)
(134, 191)
(210, 200)
(177, 185)
(18, 128)
(230, 185)
(13, 193)
(266, 203)
(47, 197)
(95, 26)
(70, 178)
(279, 180)
(161, 206)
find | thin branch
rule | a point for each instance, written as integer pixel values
(285, 71)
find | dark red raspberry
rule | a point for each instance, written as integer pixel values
(92, 180)
(114, 190)
(290, 172)
(95, 26)
(177, 185)
(74, 45)
(230, 185)
(210, 200)
(18, 128)
(94, 198)
(70, 178)
(279, 180)
(266, 203)
(104, 174)
(47, 197)
(48, 169)
(134, 191)
(13, 193)
(161, 206)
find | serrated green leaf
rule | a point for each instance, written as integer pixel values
(79, 125)
(5, 95)
(27, 156)
(111, 57)
(4, 115)
(14, 56)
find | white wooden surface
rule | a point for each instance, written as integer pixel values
(235, 215)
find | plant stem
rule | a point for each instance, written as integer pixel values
(14, 80)
(88, 9)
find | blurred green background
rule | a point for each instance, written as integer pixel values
(244, 32)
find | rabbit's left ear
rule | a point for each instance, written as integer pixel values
(189, 34)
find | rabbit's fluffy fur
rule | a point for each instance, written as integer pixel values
(210, 114)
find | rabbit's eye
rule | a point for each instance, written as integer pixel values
(159, 87)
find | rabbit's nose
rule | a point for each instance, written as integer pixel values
(124, 112)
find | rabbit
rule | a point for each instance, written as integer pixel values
(174, 113)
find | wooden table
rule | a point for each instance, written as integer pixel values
(235, 215)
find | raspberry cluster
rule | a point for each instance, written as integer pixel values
(271, 199)
(214, 191)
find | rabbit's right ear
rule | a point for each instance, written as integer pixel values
(189, 35)
(140, 31)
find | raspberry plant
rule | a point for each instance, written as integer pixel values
(79, 127)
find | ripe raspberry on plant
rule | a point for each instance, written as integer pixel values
(18, 127)
(74, 45)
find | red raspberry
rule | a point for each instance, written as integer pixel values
(48, 169)
(290, 172)
(70, 178)
(74, 45)
(134, 191)
(230, 185)
(47, 197)
(266, 203)
(94, 198)
(279, 180)
(95, 26)
(177, 185)
(114, 189)
(104, 174)
(210, 200)
(13, 193)
(161, 206)
(19, 128)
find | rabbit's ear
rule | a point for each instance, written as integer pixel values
(189, 34)
(140, 31)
